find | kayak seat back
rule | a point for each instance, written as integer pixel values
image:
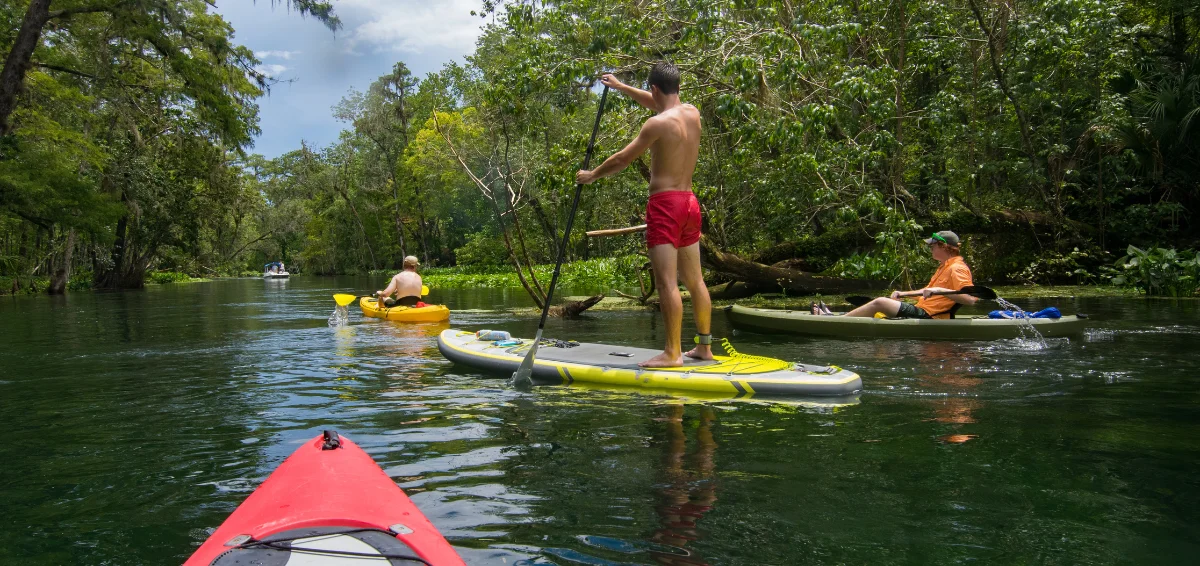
(321, 545)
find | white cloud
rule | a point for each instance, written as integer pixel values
(412, 26)
(285, 55)
(271, 70)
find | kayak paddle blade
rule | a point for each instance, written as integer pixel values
(424, 290)
(524, 375)
(979, 291)
(858, 300)
(343, 299)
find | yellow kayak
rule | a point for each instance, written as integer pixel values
(428, 313)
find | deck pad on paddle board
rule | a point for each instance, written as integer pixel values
(563, 362)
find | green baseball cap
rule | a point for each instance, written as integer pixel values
(945, 236)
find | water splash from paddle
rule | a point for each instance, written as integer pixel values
(339, 317)
(1030, 336)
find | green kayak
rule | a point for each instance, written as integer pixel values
(968, 328)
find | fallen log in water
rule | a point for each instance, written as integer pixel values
(757, 277)
(572, 309)
(789, 280)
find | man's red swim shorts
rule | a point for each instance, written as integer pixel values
(672, 217)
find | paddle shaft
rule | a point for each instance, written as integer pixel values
(566, 240)
(525, 371)
(973, 290)
(615, 231)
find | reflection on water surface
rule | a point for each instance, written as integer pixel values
(138, 421)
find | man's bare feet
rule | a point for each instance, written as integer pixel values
(663, 360)
(700, 353)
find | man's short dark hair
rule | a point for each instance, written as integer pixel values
(665, 76)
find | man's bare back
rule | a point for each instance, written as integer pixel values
(672, 137)
(406, 284)
(673, 154)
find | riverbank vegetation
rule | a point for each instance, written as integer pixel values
(1052, 136)
(600, 275)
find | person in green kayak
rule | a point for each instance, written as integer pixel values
(672, 136)
(406, 285)
(952, 274)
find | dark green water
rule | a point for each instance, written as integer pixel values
(135, 422)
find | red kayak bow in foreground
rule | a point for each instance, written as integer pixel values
(328, 503)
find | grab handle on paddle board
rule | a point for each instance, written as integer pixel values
(524, 373)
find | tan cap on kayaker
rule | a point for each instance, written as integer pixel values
(411, 261)
(945, 236)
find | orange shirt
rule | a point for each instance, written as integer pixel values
(951, 274)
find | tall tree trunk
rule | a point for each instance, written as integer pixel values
(423, 224)
(396, 201)
(127, 269)
(900, 59)
(1023, 125)
(62, 275)
(548, 227)
(20, 58)
(402, 111)
(111, 278)
(516, 222)
(361, 227)
(536, 292)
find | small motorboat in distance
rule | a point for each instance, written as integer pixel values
(275, 270)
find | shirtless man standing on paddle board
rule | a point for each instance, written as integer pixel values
(672, 214)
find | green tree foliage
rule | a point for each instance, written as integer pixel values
(1039, 131)
(122, 123)
(897, 117)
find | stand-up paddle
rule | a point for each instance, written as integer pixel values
(985, 293)
(524, 374)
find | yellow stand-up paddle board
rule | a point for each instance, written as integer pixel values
(567, 362)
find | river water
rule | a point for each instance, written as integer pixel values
(134, 423)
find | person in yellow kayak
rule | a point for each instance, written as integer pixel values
(952, 274)
(405, 285)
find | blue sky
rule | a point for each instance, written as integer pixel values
(324, 66)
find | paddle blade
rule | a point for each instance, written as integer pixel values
(343, 299)
(424, 290)
(858, 300)
(524, 375)
(980, 291)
